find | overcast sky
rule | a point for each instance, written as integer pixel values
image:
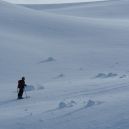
(46, 1)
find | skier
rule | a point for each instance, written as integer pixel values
(20, 87)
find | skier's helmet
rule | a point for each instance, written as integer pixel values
(23, 78)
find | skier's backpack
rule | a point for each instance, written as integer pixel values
(19, 84)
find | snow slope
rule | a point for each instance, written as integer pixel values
(46, 1)
(75, 63)
(101, 9)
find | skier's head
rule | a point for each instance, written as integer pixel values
(23, 78)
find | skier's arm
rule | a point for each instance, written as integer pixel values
(24, 84)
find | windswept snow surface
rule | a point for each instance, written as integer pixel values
(47, 1)
(75, 60)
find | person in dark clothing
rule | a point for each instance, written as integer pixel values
(21, 86)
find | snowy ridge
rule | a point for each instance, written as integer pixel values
(75, 60)
(58, 5)
(101, 9)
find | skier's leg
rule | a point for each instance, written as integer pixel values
(20, 94)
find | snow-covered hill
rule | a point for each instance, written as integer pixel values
(101, 9)
(75, 60)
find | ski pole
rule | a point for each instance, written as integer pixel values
(25, 92)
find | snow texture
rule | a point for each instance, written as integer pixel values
(75, 58)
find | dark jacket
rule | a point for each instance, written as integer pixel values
(21, 84)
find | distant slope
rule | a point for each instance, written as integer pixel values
(111, 9)
(30, 36)
(59, 5)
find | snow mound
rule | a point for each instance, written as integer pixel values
(59, 76)
(40, 87)
(108, 75)
(66, 104)
(90, 103)
(78, 104)
(49, 59)
(123, 76)
(62, 105)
